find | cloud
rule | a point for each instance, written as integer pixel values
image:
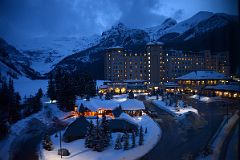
(139, 13)
(21, 19)
(178, 14)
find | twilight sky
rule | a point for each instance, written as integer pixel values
(22, 19)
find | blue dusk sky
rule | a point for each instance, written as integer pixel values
(21, 19)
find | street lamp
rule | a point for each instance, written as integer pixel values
(60, 135)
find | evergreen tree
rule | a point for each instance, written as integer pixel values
(133, 139)
(141, 136)
(65, 88)
(82, 109)
(51, 92)
(107, 96)
(39, 93)
(146, 130)
(126, 141)
(47, 143)
(90, 136)
(118, 144)
(105, 130)
(131, 95)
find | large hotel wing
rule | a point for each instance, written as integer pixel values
(157, 65)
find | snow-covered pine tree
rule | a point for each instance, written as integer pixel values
(82, 109)
(133, 139)
(51, 92)
(107, 96)
(89, 136)
(146, 130)
(141, 136)
(118, 144)
(131, 95)
(126, 141)
(105, 131)
(47, 143)
(98, 142)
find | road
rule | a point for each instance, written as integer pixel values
(230, 148)
(178, 142)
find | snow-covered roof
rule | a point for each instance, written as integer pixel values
(103, 87)
(170, 84)
(127, 118)
(132, 104)
(202, 75)
(95, 104)
(155, 43)
(101, 82)
(116, 47)
(225, 87)
(135, 81)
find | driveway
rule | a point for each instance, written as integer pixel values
(178, 142)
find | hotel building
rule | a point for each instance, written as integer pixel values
(158, 65)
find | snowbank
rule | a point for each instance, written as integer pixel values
(16, 128)
(78, 151)
(206, 99)
(172, 110)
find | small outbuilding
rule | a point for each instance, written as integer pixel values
(122, 125)
(76, 130)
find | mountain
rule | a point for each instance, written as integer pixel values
(203, 31)
(91, 59)
(157, 31)
(14, 64)
(44, 52)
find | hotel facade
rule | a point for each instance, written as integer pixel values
(158, 65)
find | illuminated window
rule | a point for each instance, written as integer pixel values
(149, 53)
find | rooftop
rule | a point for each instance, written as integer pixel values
(95, 104)
(224, 87)
(155, 43)
(202, 75)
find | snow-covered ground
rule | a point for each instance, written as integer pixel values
(177, 112)
(16, 128)
(78, 151)
(27, 87)
(206, 99)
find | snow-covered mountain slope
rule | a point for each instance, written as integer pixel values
(121, 35)
(118, 35)
(157, 31)
(13, 63)
(189, 23)
(44, 52)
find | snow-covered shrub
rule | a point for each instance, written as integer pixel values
(63, 152)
